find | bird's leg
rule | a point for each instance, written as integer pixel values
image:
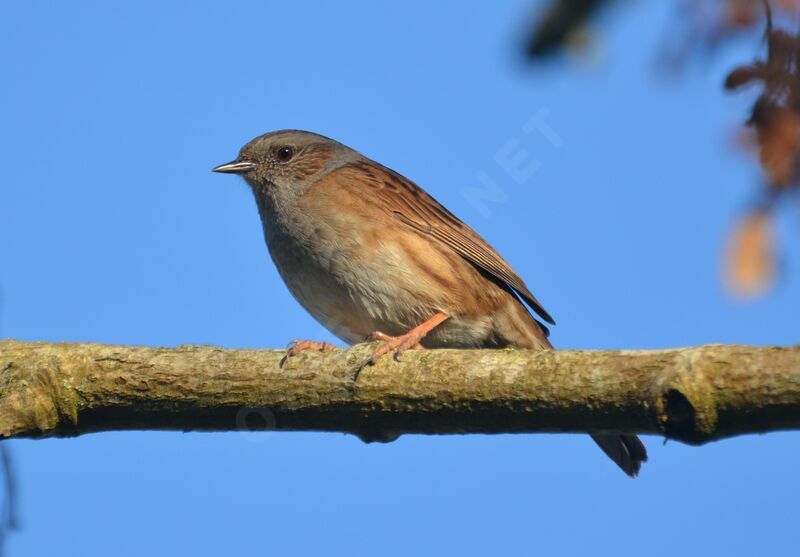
(297, 346)
(410, 340)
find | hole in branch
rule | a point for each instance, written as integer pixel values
(680, 415)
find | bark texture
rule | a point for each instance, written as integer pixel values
(693, 395)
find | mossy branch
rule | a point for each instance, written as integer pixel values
(694, 395)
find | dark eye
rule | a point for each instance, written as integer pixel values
(285, 154)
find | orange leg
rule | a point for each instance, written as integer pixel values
(408, 341)
(297, 346)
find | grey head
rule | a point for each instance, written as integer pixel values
(280, 166)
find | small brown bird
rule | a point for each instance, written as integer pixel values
(371, 255)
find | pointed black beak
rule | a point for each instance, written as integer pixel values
(235, 167)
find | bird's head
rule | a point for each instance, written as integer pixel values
(284, 163)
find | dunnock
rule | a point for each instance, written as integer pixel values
(372, 256)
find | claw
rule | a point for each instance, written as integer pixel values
(296, 346)
(399, 344)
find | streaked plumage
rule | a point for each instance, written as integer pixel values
(364, 249)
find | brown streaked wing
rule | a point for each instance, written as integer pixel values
(415, 207)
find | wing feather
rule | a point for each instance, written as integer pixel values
(416, 208)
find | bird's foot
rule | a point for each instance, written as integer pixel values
(297, 346)
(408, 341)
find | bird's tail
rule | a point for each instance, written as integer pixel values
(626, 450)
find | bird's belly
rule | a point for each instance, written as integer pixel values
(350, 297)
(392, 287)
(326, 301)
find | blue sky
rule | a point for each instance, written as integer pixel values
(116, 231)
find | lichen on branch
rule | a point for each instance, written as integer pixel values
(693, 395)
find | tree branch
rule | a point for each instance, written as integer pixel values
(694, 395)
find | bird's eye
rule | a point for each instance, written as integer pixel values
(285, 154)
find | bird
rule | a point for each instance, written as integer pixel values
(372, 256)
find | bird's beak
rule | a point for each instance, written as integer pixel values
(235, 167)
